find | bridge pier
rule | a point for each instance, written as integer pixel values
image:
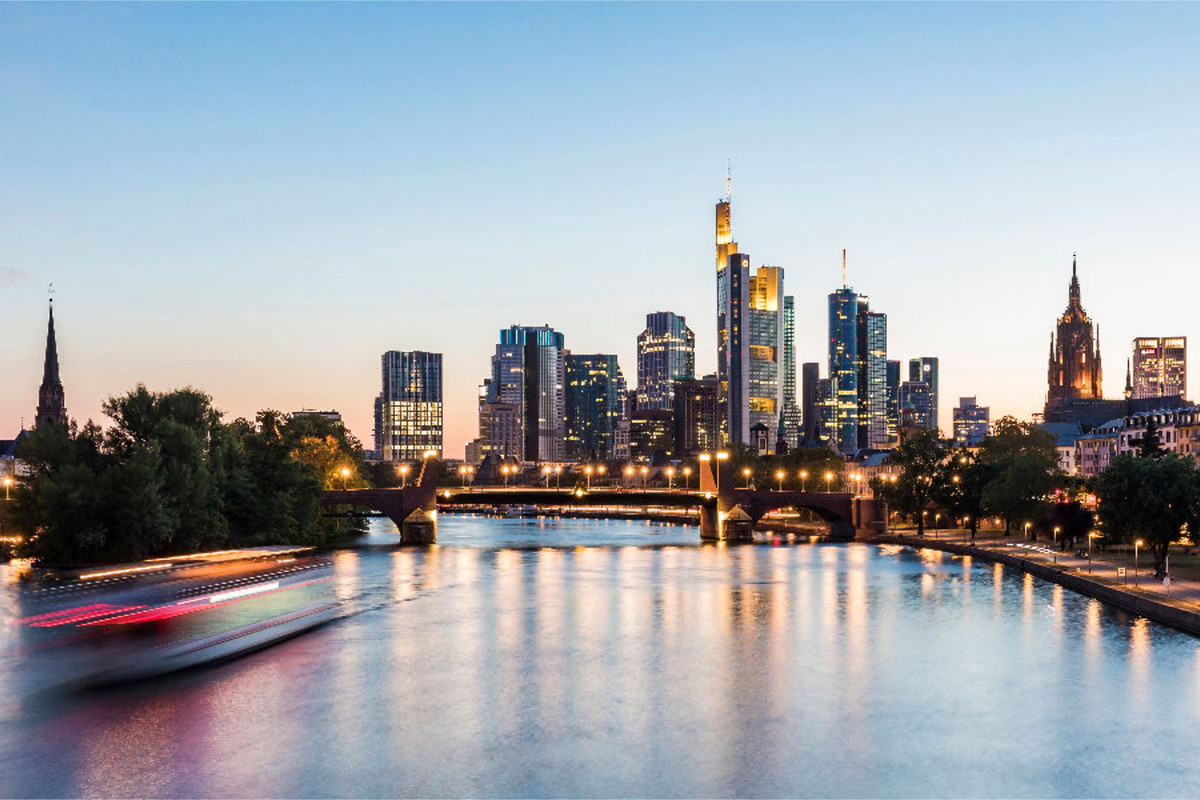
(418, 528)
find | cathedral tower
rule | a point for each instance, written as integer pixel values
(52, 408)
(1074, 368)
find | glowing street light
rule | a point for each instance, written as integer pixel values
(600, 470)
(628, 475)
(1091, 536)
(803, 478)
(7, 486)
(746, 473)
(687, 477)
(588, 471)
(1136, 544)
(670, 478)
(558, 477)
(345, 477)
(404, 468)
(645, 473)
(1028, 525)
(546, 472)
(779, 477)
(504, 472)
(828, 480)
(1056, 530)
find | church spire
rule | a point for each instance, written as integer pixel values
(1074, 290)
(51, 402)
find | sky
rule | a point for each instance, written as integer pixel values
(258, 200)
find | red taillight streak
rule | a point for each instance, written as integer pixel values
(188, 606)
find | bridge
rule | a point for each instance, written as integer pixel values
(726, 514)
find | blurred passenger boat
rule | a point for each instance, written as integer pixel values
(134, 621)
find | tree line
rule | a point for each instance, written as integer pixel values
(168, 476)
(1152, 496)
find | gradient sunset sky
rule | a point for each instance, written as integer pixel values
(258, 200)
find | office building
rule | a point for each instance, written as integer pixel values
(666, 353)
(1159, 366)
(791, 416)
(734, 372)
(893, 401)
(765, 347)
(925, 370)
(594, 391)
(331, 416)
(1074, 364)
(872, 377)
(726, 248)
(843, 369)
(971, 422)
(410, 405)
(810, 401)
(697, 416)
(916, 407)
(52, 405)
(529, 373)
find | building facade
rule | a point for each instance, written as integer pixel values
(893, 401)
(971, 422)
(925, 370)
(697, 416)
(1074, 365)
(736, 383)
(843, 369)
(872, 377)
(791, 416)
(666, 352)
(52, 405)
(410, 405)
(726, 248)
(1159, 366)
(810, 402)
(765, 346)
(529, 372)
(594, 391)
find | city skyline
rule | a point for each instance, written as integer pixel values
(175, 230)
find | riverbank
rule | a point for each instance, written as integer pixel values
(1176, 605)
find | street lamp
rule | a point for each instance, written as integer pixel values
(803, 478)
(588, 471)
(746, 473)
(645, 473)
(558, 477)
(1091, 536)
(828, 478)
(1056, 530)
(345, 477)
(670, 478)
(1028, 525)
(546, 473)
(7, 486)
(1136, 544)
(722, 455)
(600, 470)
(779, 477)
(687, 478)
(404, 475)
(628, 475)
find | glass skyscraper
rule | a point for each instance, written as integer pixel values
(1159, 366)
(925, 369)
(529, 373)
(791, 411)
(666, 353)
(872, 376)
(594, 396)
(409, 409)
(843, 369)
(765, 326)
(737, 350)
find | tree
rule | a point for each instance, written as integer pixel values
(1149, 499)
(1150, 445)
(961, 485)
(920, 458)
(1025, 471)
(1069, 521)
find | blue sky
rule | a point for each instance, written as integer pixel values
(260, 199)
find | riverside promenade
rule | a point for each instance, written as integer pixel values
(1137, 592)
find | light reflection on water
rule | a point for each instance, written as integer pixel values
(512, 661)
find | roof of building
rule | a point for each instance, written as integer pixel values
(1065, 433)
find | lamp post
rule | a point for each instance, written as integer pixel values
(7, 487)
(645, 475)
(600, 470)
(1056, 530)
(936, 523)
(687, 478)
(803, 478)
(628, 476)
(1136, 544)
(404, 475)
(746, 473)
(558, 477)
(1028, 524)
(828, 479)
(588, 471)
(546, 473)
(345, 477)
(670, 478)
(1091, 535)
(779, 477)
(504, 472)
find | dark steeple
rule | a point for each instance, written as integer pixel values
(52, 407)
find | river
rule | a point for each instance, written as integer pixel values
(564, 658)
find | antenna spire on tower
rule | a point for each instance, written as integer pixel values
(729, 180)
(843, 268)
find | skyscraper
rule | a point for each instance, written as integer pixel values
(791, 411)
(52, 405)
(726, 248)
(893, 401)
(810, 396)
(872, 376)
(1159, 366)
(410, 405)
(697, 416)
(843, 369)
(765, 347)
(593, 396)
(735, 365)
(1074, 364)
(666, 353)
(925, 370)
(529, 373)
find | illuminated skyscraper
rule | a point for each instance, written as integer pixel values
(765, 329)
(410, 405)
(925, 370)
(971, 422)
(810, 398)
(594, 396)
(697, 416)
(1159, 366)
(736, 352)
(666, 353)
(791, 410)
(872, 376)
(1074, 364)
(843, 369)
(529, 373)
(726, 247)
(893, 401)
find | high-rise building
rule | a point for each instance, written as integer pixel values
(735, 371)
(52, 404)
(971, 422)
(529, 372)
(1074, 364)
(925, 370)
(594, 391)
(697, 416)
(1159, 366)
(843, 368)
(726, 248)
(916, 408)
(791, 416)
(872, 376)
(410, 405)
(666, 353)
(765, 328)
(810, 394)
(893, 401)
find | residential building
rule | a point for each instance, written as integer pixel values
(1159, 366)
(594, 391)
(971, 422)
(666, 353)
(410, 405)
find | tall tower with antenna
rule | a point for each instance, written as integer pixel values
(726, 247)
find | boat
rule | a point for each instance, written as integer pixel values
(135, 621)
